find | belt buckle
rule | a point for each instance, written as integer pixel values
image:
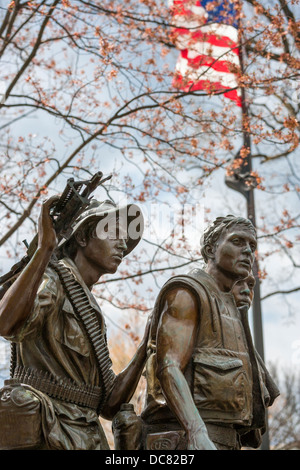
(168, 440)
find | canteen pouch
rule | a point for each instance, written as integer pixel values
(20, 417)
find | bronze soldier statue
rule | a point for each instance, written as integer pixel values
(62, 377)
(206, 386)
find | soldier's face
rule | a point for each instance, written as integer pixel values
(234, 252)
(107, 249)
(243, 291)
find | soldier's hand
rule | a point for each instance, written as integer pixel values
(147, 329)
(199, 440)
(46, 232)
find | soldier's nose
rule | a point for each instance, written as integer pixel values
(246, 291)
(247, 250)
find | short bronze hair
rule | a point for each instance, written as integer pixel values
(70, 248)
(215, 230)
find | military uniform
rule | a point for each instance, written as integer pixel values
(230, 385)
(55, 360)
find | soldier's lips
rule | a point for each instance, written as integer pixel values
(244, 303)
(245, 262)
(118, 257)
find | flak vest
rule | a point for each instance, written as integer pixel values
(228, 381)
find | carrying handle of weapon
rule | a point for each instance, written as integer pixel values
(72, 190)
(68, 207)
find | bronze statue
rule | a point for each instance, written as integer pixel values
(61, 377)
(207, 388)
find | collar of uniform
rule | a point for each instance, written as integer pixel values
(211, 284)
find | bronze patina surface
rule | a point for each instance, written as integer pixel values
(61, 374)
(207, 388)
(203, 374)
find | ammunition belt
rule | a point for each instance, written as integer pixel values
(56, 387)
(92, 324)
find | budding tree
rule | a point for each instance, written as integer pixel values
(87, 85)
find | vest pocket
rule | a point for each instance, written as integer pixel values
(69, 333)
(220, 383)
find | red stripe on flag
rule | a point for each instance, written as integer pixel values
(215, 40)
(205, 60)
(234, 96)
(179, 9)
(207, 86)
(209, 39)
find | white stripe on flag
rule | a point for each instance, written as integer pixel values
(191, 25)
(205, 73)
(194, 25)
(221, 30)
(216, 52)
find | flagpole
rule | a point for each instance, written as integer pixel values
(250, 198)
(256, 303)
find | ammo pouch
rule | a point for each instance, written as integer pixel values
(20, 417)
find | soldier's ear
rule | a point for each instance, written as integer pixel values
(209, 251)
(80, 238)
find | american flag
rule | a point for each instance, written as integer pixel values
(206, 32)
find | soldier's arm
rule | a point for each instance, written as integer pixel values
(176, 337)
(18, 301)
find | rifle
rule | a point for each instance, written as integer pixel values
(73, 201)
